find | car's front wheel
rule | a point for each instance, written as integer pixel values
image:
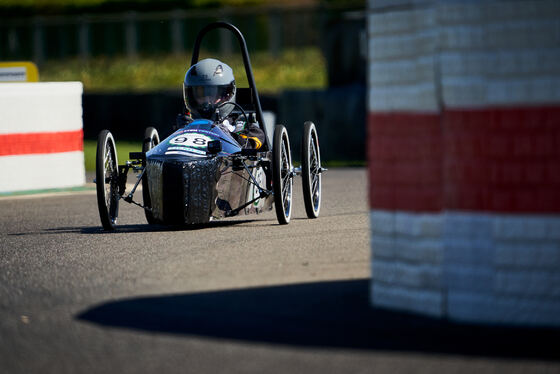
(106, 179)
(311, 170)
(282, 175)
(151, 139)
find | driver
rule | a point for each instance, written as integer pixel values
(209, 92)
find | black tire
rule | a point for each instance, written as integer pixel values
(106, 179)
(282, 175)
(151, 139)
(311, 170)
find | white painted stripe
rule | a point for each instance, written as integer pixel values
(403, 21)
(416, 98)
(402, 72)
(407, 299)
(476, 92)
(489, 35)
(48, 193)
(482, 11)
(501, 64)
(477, 267)
(474, 54)
(35, 172)
(411, 45)
(40, 107)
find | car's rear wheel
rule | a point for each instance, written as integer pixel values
(151, 139)
(282, 175)
(311, 170)
(106, 179)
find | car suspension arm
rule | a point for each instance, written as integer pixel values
(128, 198)
(236, 211)
(262, 193)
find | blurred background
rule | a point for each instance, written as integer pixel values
(308, 58)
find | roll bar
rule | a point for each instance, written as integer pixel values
(246, 62)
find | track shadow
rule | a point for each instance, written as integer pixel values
(332, 314)
(59, 230)
(131, 228)
(160, 228)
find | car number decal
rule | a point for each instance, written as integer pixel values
(184, 153)
(191, 140)
(183, 149)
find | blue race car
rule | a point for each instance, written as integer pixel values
(203, 172)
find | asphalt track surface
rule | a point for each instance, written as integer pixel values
(242, 295)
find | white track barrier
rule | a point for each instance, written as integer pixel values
(463, 153)
(41, 136)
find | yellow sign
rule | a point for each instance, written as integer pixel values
(18, 71)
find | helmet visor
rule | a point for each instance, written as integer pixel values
(205, 99)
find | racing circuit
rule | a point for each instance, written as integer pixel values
(242, 294)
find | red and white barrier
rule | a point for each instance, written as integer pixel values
(41, 137)
(464, 158)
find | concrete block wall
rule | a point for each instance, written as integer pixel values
(507, 272)
(401, 61)
(464, 159)
(499, 53)
(41, 136)
(407, 258)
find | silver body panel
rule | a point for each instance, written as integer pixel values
(194, 191)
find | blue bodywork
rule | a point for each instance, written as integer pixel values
(192, 142)
(189, 186)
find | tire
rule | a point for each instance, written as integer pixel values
(106, 179)
(282, 175)
(311, 170)
(151, 139)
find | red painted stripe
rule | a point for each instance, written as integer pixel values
(404, 156)
(498, 160)
(502, 160)
(39, 143)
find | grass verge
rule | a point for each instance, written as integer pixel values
(295, 68)
(123, 149)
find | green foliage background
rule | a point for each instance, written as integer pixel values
(295, 68)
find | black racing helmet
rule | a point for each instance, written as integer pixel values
(207, 85)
